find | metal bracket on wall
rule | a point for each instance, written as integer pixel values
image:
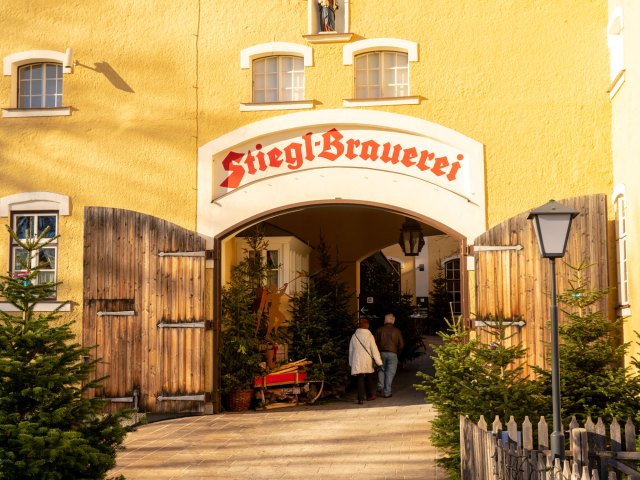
(123, 313)
(133, 399)
(495, 248)
(182, 325)
(182, 398)
(483, 324)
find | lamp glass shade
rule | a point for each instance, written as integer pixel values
(552, 223)
(411, 239)
(552, 231)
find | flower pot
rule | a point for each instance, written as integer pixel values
(239, 400)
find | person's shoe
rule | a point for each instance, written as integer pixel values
(372, 397)
(379, 390)
(360, 402)
(388, 396)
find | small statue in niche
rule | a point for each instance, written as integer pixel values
(328, 15)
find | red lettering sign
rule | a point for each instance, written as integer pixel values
(332, 145)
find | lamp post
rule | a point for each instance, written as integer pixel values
(411, 238)
(552, 223)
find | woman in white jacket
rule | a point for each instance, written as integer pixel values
(363, 354)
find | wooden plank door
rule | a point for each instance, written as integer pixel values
(144, 310)
(512, 279)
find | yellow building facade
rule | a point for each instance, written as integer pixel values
(214, 117)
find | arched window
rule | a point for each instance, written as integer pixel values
(278, 78)
(30, 213)
(381, 71)
(381, 74)
(621, 247)
(40, 85)
(277, 75)
(36, 82)
(615, 42)
(452, 276)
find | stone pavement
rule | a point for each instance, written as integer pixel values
(383, 439)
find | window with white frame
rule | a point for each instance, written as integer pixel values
(36, 82)
(278, 78)
(621, 244)
(615, 44)
(380, 71)
(273, 268)
(452, 276)
(40, 85)
(34, 226)
(381, 74)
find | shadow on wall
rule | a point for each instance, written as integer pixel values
(114, 78)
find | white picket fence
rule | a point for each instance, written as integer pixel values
(592, 455)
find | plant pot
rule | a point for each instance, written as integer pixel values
(239, 400)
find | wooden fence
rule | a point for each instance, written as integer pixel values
(509, 454)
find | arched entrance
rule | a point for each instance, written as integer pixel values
(342, 158)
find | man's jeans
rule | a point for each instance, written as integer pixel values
(388, 371)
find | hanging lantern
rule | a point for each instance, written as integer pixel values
(411, 238)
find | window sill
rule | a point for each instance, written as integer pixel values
(623, 311)
(616, 84)
(254, 107)
(36, 112)
(39, 307)
(328, 37)
(374, 102)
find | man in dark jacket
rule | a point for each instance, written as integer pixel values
(390, 343)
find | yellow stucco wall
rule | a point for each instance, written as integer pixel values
(155, 81)
(626, 145)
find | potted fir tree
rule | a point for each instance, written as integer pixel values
(240, 354)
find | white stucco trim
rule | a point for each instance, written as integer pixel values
(34, 201)
(377, 102)
(39, 307)
(618, 190)
(36, 112)
(10, 63)
(275, 48)
(376, 44)
(616, 23)
(255, 107)
(465, 215)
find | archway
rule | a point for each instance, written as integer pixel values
(342, 156)
(344, 159)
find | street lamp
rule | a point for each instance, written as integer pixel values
(411, 238)
(552, 223)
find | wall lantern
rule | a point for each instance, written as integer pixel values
(552, 223)
(411, 238)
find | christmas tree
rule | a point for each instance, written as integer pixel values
(473, 378)
(321, 324)
(49, 428)
(593, 380)
(439, 306)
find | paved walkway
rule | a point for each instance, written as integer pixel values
(383, 439)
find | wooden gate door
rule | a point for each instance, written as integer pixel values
(144, 310)
(512, 279)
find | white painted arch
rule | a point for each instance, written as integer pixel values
(461, 208)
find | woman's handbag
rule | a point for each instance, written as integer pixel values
(376, 367)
